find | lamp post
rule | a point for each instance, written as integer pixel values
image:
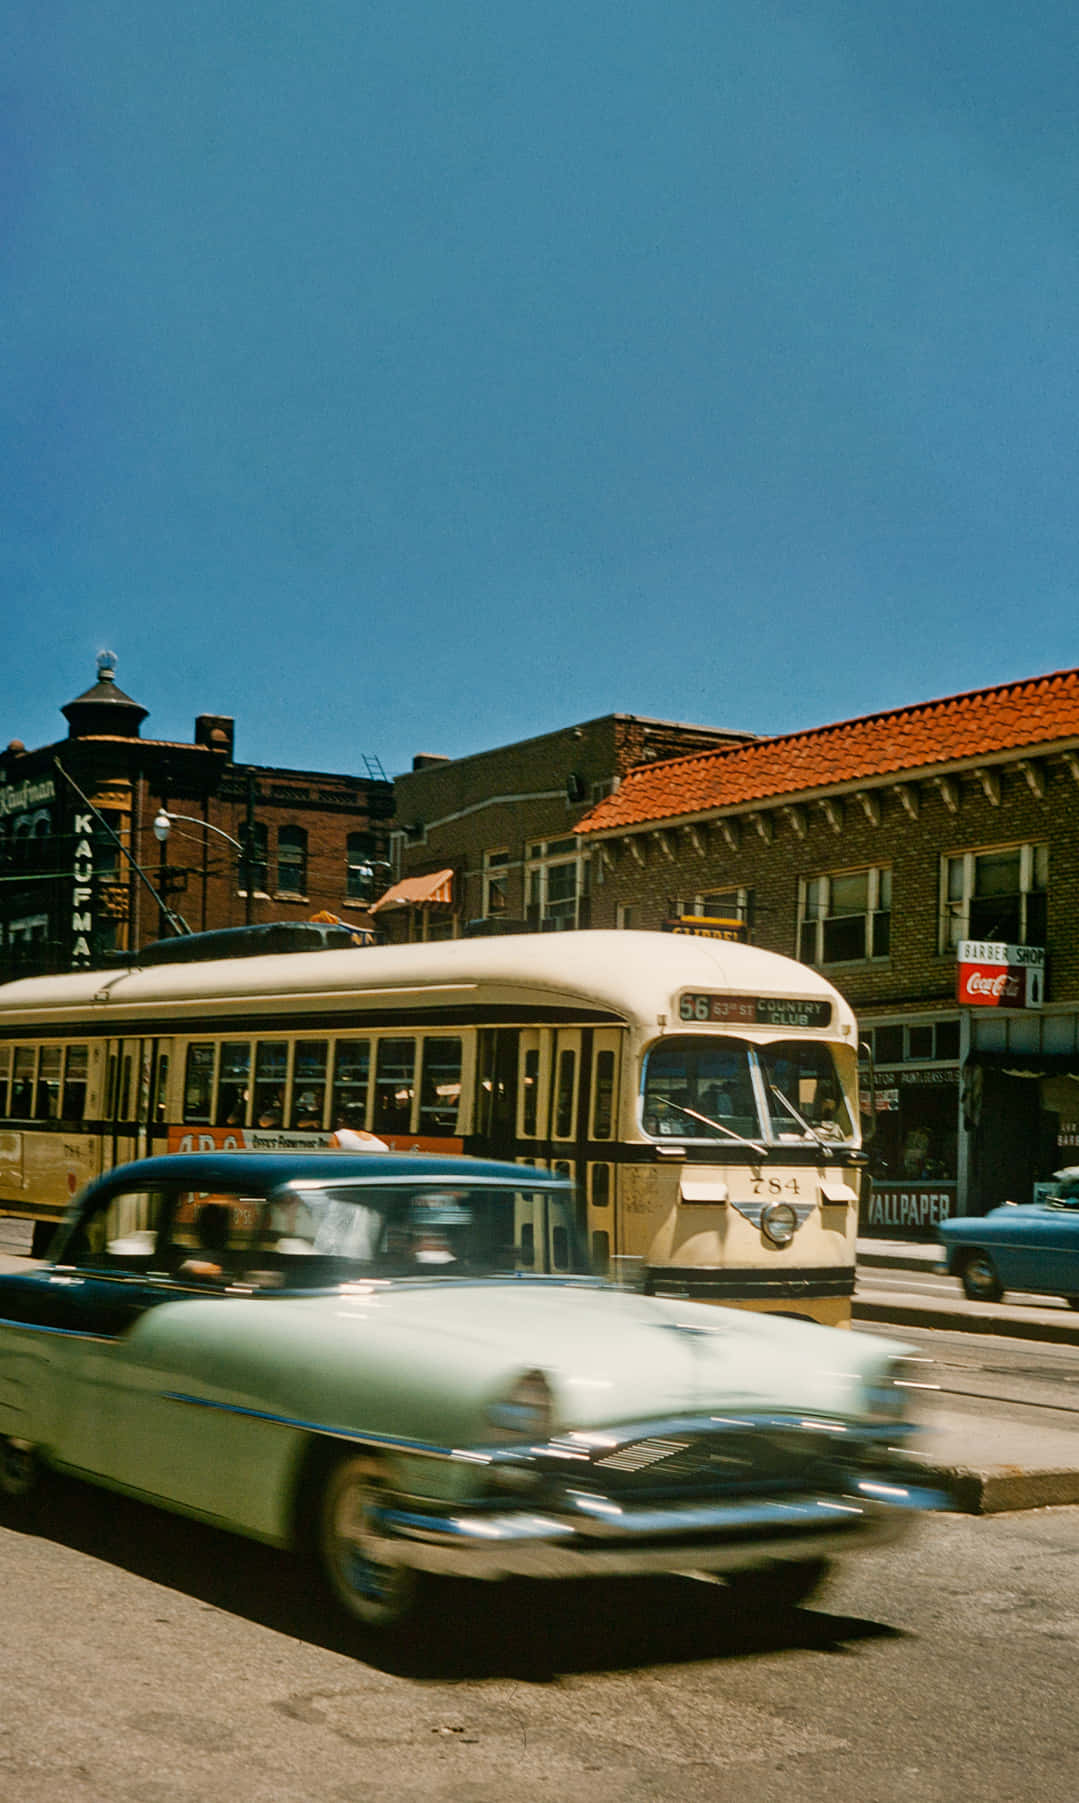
(163, 825)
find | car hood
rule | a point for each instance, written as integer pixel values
(611, 1355)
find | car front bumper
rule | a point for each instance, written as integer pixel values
(587, 1535)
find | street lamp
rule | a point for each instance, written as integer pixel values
(163, 825)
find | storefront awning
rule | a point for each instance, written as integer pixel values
(433, 890)
(1028, 1064)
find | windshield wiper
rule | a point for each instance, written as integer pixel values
(739, 1138)
(800, 1118)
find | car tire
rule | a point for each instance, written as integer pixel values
(772, 1588)
(979, 1278)
(358, 1568)
(20, 1476)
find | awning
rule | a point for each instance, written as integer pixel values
(1028, 1064)
(433, 890)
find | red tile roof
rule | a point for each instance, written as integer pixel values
(983, 723)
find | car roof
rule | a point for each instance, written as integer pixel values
(266, 1171)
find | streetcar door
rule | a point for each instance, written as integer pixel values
(133, 1098)
(496, 1091)
(602, 1136)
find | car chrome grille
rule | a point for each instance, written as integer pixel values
(746, 1455)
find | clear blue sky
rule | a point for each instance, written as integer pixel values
(418, 375)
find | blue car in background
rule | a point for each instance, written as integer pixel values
(1031, 1246)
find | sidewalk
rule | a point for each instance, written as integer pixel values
(1042, 1318)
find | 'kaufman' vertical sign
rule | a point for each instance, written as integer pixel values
(82, 891)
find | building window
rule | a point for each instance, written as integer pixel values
(558, 872)
(999, 895)
(495, 879)
(723, 904)
(258, 858)
(846, 918)
(359, 867)
(292, 861)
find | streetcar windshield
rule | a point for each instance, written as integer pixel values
(702, 1088)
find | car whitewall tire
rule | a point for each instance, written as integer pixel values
(359, 1566)
(979, 1278)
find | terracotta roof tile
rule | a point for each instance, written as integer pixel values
(981, 723)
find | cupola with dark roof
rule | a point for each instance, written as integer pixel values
(104, 711)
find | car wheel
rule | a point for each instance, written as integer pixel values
(979, 1278)
(19, 1476)
(772, 1588)
(359, 1566)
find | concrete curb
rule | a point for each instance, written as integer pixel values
(1007, 1323)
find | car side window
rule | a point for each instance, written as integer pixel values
(212, 1237)
(121, 1236)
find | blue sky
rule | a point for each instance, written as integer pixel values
(420, 375)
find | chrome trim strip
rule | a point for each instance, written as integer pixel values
(555, 1544)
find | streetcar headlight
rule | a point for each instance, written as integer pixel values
(780, 1223)
(524, 1413)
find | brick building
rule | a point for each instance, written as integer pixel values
(902, 853)
(485, 843)
(87, 877)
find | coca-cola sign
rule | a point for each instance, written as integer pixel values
(989, 975)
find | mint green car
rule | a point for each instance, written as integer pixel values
(403, 1368)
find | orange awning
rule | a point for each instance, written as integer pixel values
(433, 890)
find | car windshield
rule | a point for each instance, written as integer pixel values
(702, 1087)
(398, 1230)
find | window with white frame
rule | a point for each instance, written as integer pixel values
(496, 866)
(359, 867)
(557, 874)
(723, 904)
(257, 860)
(846, 917)
(292, 860)
(999, 894)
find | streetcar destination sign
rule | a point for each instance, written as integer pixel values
(756, 1010)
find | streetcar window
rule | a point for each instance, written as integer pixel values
(48, 1083)
(604, 1103)
(76, 1067)
(805, 1097)
(5, 1077)
(198, 1083)
(564, 1094)
(162, 1087)
(22, 1084)
(395, 1079)
(440, 1085)
(530, 1110)
(351, 1075)
(124, 1112)
(700, 1088)
(233, 1082)
(309, 1082)
(271, 1075)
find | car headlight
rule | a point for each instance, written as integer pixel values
(525, 1412)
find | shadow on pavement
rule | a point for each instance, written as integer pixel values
(534, 1632)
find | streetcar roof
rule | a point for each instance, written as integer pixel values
(620, 975)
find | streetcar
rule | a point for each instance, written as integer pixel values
(701, 1094)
